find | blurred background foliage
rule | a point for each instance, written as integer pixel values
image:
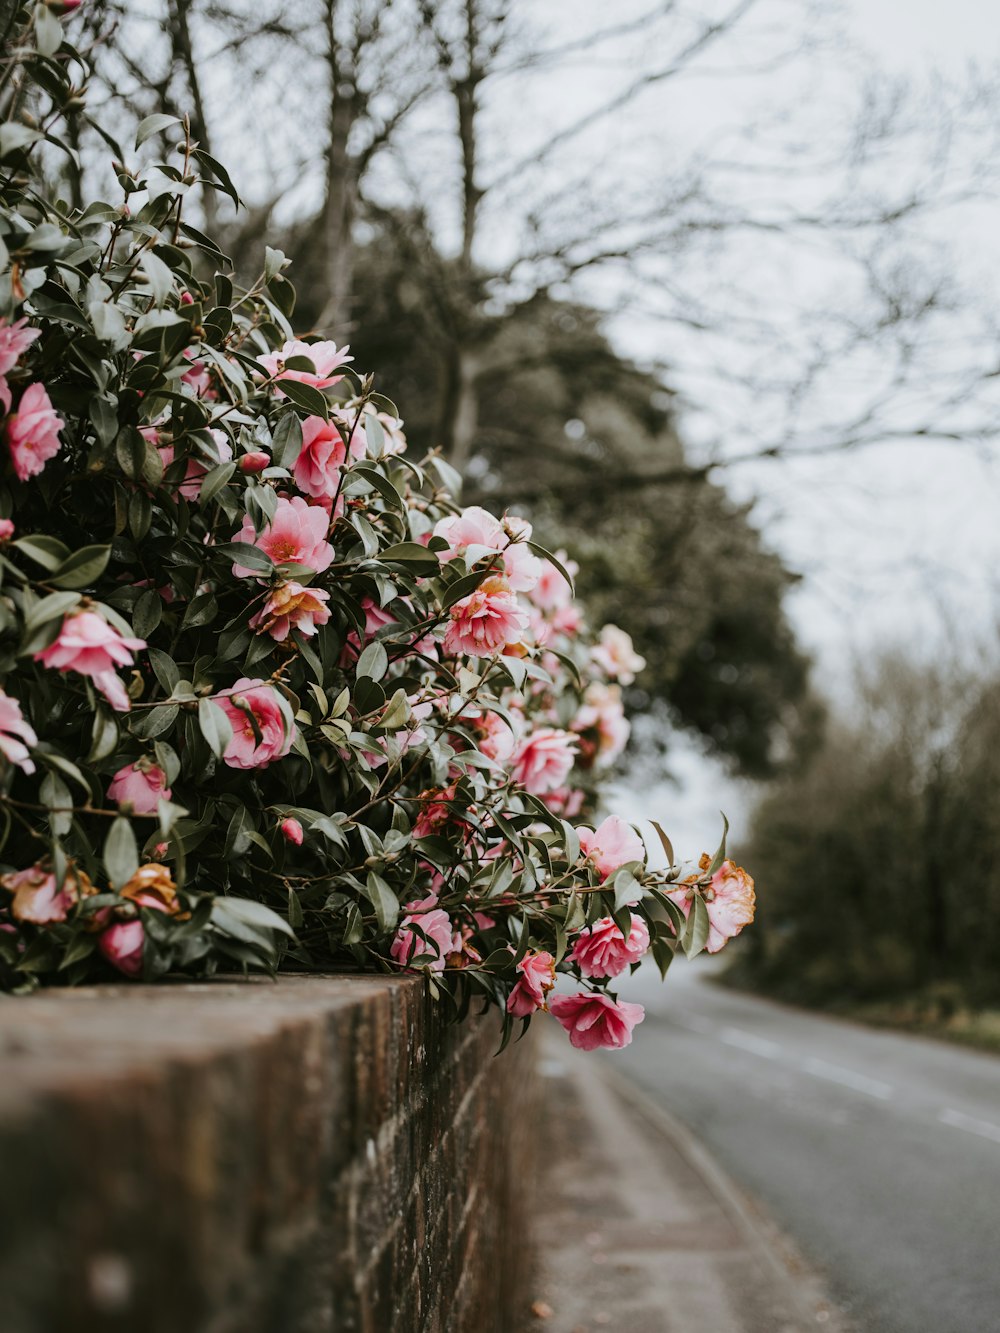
(880, 850)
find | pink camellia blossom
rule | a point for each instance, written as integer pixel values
(142, 785)
(565, 801)
(611, 845)
(552, 590)
(602, 714)
(255, 461)
(486, 621)
(543, 759)
(472, 527)
(476, 532)
(17, 736)
(615, 655)
(15, 339)
(122, 945)
(392, 429)
(436, 812)
(291, 831)
(33, 432)
(6, 529)
(538, 976)
(325, 356)
(594, 1020)
(730, 900)
(38, 898)
(601, 950)
(292, 606)
(197, 466)
(296, 535)
(435, 925)
(86, 643)
(497, 741)
(323, 454)
(244, 750)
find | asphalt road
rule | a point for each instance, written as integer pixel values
(879, 1154)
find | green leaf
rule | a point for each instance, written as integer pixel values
(274, 262)
(121, 855)
(83, 568)
(720, 854)
(214, 482)
(48, 31)
(547, 555)
(147, 612)
(695, 936)
(153, 125)
(52, 607)
(412, 556)
(158, 275)
(45, 551)
(664, 842)
(384, 901)
(310, 400)
(287, 440)
(215, 726)
(245, 911)
(165, 668)
(56, 795)
(374, 661)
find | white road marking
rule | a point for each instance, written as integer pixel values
(847, 1078)
(746, 1041)
(958, 1120)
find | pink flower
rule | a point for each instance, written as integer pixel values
(392, 429)
(543, 759)
(565, 801)
(33, 432)
(601, 950)
(292, 606)
(435, 812)
(142, 785)
(291, 831)
(552, 591)
(615, 655)
(296, 535)
(325, 356)
(730, 900)
(16, 735)
(612, 845)
(37, 897)
(254, 462)
(496, 739)
(479, 530)
(486, 621)
(89, 645)
(6, 529)
(254, 697)
(15, 339)
(594, 1020)
(472, 527)
(323, 454)
(122, 945)
(603, 715)
(436, 926)
(197, 468)
(538, 976)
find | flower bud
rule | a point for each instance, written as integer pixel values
(292, 831)
(255, 462)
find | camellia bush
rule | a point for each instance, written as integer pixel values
(270, 697)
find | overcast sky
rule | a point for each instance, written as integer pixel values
(896, 545)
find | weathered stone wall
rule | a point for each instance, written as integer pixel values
(249, 1157)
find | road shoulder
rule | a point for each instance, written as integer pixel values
(640, 1230)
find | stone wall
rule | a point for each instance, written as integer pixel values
(254, 1157)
